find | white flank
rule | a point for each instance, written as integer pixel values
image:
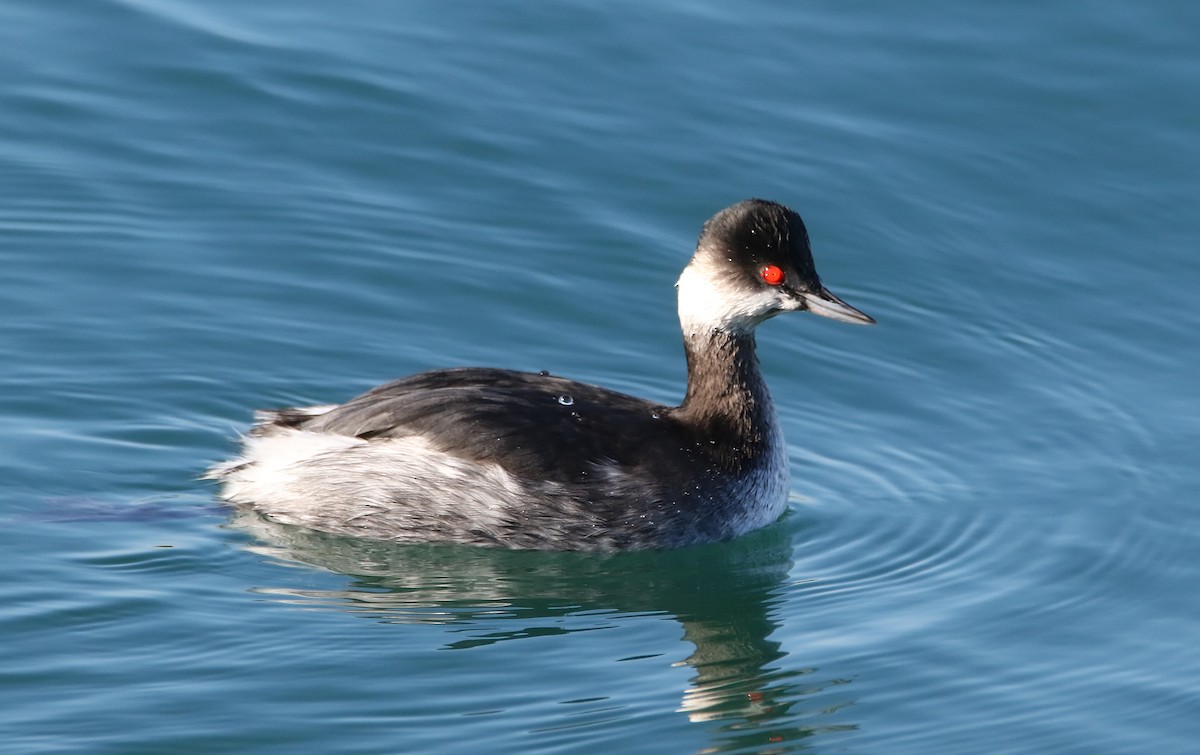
(324, 480)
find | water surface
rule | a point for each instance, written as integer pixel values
(992, 543)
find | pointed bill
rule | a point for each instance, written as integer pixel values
(826, 304)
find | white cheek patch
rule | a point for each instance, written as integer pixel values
(707, 301)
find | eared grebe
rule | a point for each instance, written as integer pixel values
(522, 460)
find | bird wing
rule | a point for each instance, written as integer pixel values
(533, 425)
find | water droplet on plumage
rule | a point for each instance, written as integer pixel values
(566, 399)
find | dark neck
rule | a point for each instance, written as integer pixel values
(727, 403)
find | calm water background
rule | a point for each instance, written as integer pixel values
(993, 543)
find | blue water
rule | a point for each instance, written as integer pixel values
(992, 545)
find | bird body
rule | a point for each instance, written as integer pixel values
(531, 460)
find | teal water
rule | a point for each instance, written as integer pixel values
(993, 545)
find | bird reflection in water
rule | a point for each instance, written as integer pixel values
(722, 596)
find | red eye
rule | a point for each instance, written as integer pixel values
(772, 274)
